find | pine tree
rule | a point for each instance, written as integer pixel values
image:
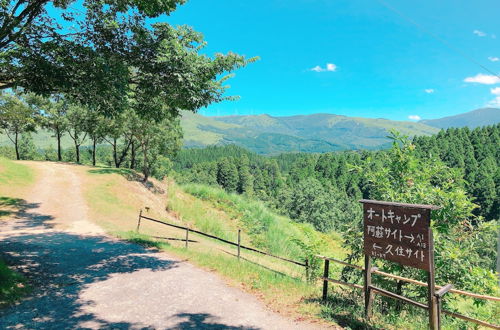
(227, 175)
(245, 183)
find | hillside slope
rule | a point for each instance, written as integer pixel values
(266, 134)
(471, 119)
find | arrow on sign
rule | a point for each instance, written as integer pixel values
(375, 246)
(411, 238)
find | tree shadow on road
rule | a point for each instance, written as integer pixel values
(203, 321)
(59, 266)
(20, 210)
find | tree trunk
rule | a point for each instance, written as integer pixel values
(16, 145)
(132, 156)
(145, 167)
(94, 140)
(77, 148)
(115, 156)
(59, 155)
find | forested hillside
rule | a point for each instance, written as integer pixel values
(329, 177)
(456, 170)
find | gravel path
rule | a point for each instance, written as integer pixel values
(83, 279)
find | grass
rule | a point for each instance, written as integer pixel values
(14, 177)
(212, 207)
(12, 285)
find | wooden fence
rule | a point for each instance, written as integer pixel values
(237, 244)
(441, 289)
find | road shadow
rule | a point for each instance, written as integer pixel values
(130, 175)
(18, 214)
(203, 321)
(58, 265)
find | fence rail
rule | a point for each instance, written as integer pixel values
(238, 244)
(326, 280)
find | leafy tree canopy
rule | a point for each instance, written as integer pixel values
(104, 55)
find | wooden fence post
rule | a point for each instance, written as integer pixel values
(239, 243)
(439, 301)
(139, 221)
(432, 300)
(368, 289)
(187, 236)
(325, 281)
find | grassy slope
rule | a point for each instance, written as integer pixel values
(192, 126)
(42, 139)
(15, 180)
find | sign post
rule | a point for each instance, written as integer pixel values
(400, 233)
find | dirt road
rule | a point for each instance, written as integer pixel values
(84, 279)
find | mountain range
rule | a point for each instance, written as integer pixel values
(322, 132)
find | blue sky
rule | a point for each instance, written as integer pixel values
(368, 61)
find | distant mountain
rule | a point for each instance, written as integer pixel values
(266, 134)
(472, 119)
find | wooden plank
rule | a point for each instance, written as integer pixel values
(420, 206)
(224, 240)
(452, 314)
(368, 287)
(325, 275)
(470, 319)
(139, 221)
(431, 297)
(396, 296)
(352, 285)
(340, 262)
(412, 281)
(396, 233)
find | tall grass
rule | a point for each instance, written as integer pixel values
(265, 229)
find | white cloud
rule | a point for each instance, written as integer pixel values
(429, 90)
(483, 79)
(479, 33)
(329, 67)
(493, 59)
(495, 91)
(414, 117)
(495, 102)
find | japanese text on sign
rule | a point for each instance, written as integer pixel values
(397, 232)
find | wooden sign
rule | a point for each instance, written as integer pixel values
(398, 232)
